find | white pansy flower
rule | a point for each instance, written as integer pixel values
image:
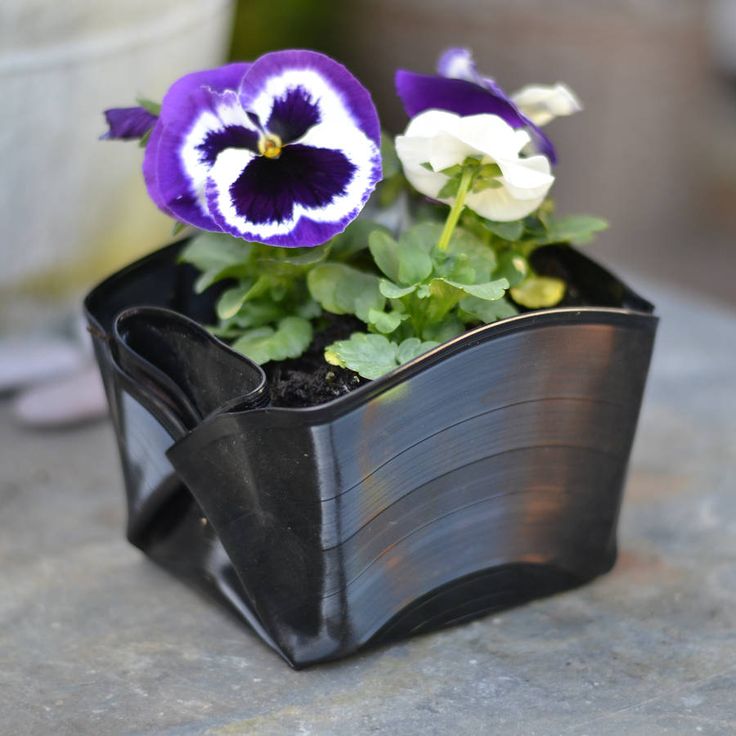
(441, 139)
(543, 103)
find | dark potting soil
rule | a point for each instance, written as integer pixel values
(309, 381)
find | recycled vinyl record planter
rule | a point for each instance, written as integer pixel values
(484, 473)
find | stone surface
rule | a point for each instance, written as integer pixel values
(96, 640)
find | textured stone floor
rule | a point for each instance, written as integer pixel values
(96, 640)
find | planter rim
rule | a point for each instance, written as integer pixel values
(328, 410)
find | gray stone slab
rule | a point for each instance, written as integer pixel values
(94, 639)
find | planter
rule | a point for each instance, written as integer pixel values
(483, 474)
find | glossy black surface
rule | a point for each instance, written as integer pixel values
(485, 473)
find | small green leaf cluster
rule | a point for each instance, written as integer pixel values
(266, 309)
(515, 242)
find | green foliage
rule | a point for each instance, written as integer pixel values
(149, 105)
(393, 182)
(289, 339)
(577, 229)
(417, 298)
(266, 308)
(342, 289)
(372, 356)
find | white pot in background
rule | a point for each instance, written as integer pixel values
(72, 207)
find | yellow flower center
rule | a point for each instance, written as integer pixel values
(270, 145)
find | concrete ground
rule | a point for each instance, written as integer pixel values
(96, 640)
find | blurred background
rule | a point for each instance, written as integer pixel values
(654, 150)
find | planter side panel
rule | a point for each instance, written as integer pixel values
(439, 497)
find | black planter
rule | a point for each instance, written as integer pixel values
(485, 473)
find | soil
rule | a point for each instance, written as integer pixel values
(308, 380)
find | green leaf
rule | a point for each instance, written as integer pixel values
(442, 298)
(490, 290)
(369, 355)
(577, 229)
(489, 171)
(143, 142)
(444, 330)
(252, 314)
(385, 322)
(214, 250)
(177, 228)
(341, 289)
(389, 159)
(454, 170)
(415, 264)
(480, 184)
(153, 107)
(385, 252)
(228, 305)
(289, 340)
(393, 291)
(449, 188)
(372, 355)
(423, 235)
(538, 292)
(511, 231)
(478, 259)
(481, 310)
(512, 266)
(413, 347)
(293, 265)
(353, 239)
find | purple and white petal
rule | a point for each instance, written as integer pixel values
(458, 63)
(329, 163)
(128, 123)
(462, 90)
(172, 166)
(542, 104)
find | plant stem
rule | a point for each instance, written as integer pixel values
(456, 209)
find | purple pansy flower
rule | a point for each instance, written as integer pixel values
(128, 123)
(462, 90)
(283, 151)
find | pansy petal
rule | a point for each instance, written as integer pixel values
(128, 123)
(229, 136)
(170, 183)
(317, 186)
(420, 92)
(490, 135)
(273, 74)
(457, 63)
(290, 201)
(541, 103)
(413, 152)
(526, 182)
(500, 205)
(526, 178)
(293, 114)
